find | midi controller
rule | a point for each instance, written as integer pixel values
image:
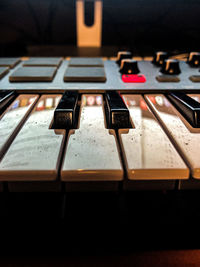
(97, 124)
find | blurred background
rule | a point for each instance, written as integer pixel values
(48, 27)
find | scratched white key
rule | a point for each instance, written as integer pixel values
(35, 152)
(185, 137)
(91, 152)
(13, 118)
(148, 152)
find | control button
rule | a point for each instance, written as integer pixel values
(195, 78)
(133, 78)
(123, 55)
(170, 67)
(167, 79)
(194, 59)
(129, 66)
(159, 58)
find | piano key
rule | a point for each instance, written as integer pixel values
(65, 112)
(116, 111)
(185, 137)
(33, 74)
(86, 62)
(148, 153)
(35, 153)
(13, 118)
(84, 74)
(3, 71)
(43, 62)
(91, 152)
(187, 106)
(10, 62)
(6, 97)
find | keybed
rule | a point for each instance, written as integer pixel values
(158, 148)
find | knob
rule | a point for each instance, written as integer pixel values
(129, 66)
(194, 59)
(159, 58)
(170, 66)
(123, 55)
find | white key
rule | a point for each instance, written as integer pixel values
(149, 153)
(35, 153)
(91, 153)
(13, 118)
(186, 138)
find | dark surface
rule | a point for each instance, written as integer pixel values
(143, 26)
(100, 224)
(33, 74)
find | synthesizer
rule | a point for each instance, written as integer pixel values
(99, 124)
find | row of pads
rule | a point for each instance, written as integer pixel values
(44, 69)
(161, 151)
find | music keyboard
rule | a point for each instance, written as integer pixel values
(143, 157)
(134, 142)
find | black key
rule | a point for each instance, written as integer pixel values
(187, 106)
(65, 115)
(116, 111)
(5, 99)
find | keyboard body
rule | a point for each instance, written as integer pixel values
(113, 80)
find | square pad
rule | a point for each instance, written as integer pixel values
(86, 62)
(10, 62)
(3, 71)
(33, 74)
(85, 74)
(43, 61)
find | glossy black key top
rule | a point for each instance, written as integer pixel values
(187, 106)
(5, 99)
(116, 111)
(65, 115)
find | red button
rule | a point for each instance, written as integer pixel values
(133, 78)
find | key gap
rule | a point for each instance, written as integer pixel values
(119, 146)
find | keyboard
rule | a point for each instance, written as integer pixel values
(97, 124)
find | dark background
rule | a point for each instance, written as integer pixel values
(140, 25)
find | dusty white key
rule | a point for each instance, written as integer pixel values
(13, 118)
(186, 138)
(148, 152)
(36, 150)
(91, 152)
